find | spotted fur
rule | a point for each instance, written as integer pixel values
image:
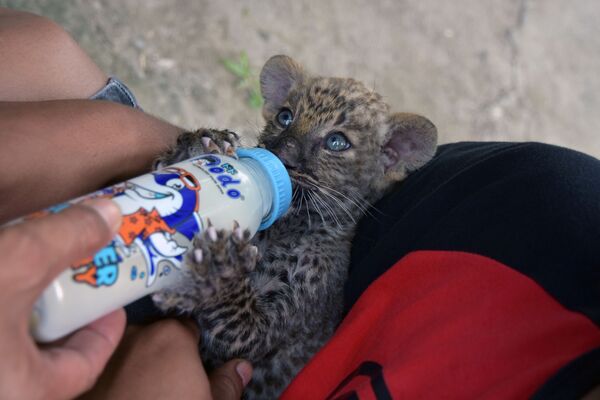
(277, 303)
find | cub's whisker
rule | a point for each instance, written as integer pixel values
(312, 199)
(328, 209)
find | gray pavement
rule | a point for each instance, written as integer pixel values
(481, 70)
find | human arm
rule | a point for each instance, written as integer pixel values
(56, 150)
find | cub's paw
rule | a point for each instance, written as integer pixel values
(218, 258)
(202, 141)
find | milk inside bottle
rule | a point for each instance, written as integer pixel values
(162, 212)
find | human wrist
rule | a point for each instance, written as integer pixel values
(141, 136)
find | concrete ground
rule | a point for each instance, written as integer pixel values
(480, 69)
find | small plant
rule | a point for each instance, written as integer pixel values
(247, 79)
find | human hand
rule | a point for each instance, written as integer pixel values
(161, 361)
(34, 253)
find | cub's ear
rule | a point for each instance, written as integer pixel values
(411, 142)
(278, 76)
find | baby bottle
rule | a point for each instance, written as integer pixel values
(162, 212)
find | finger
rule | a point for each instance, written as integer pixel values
(74, 366)
(41, 248)
(192, 326)
(228, 381)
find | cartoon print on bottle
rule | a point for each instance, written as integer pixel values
(159, 221)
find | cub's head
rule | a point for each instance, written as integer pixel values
(336, 137)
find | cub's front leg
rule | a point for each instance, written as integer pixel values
(201, 141)
(241, 310)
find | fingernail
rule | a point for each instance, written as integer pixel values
(108, 210)
(212, 233)
(244, 370)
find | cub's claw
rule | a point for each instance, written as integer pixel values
(198, 257)
(237, 231)
(210, 146)
(220, 142)
(202, 141)
(211, 232)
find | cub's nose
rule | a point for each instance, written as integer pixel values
(288, 151)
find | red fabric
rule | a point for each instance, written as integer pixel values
(449, 325)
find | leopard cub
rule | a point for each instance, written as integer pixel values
(277, 298)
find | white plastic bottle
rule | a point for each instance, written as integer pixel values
(162, 211)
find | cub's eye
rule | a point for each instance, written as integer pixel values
(285, 117)
(337, 141)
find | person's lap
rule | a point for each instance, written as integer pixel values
(530, 206)
(534, 208)
(40, 61)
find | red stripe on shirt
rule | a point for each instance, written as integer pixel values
(448, 325)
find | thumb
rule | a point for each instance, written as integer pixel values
(228, 381)
(50, 244)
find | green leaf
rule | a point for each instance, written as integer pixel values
(242, 84)
(247, 82)
(235, 68)
(244, 62)
(255, 100)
